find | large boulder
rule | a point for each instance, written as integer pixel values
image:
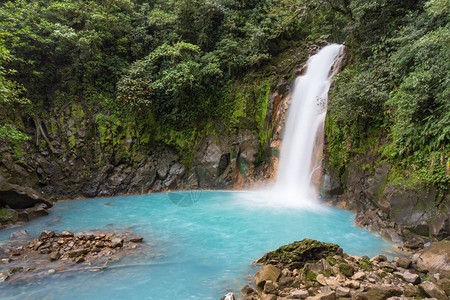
(297, 254)
(18, 197)
(382, 292)
(435, 258)
(432, 290)
(266, 273)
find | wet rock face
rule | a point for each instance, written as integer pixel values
(384, 207)
(224, 162)
(338, 275)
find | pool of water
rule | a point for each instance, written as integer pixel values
(203, 243)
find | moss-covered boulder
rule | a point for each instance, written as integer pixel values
(295, 255)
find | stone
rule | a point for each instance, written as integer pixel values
(29, 214)
(8, 215)
(14, 270)
(325, 290)
(379, 258)
(321, 279)
(247, 291)
(267, 272)
(387, 266)
(270, 287)
(444, 283)
(136, 239)
(444, 275)
(402, 262)
(285, 281)
(332, 282)
(162, 170)
(342, 292)
(432, 290)
(411, 291)
(46, 234)
(359, 296)
(3, 277)
(67, 234)
(177, 169)
(268, 297)
(79, 259)
(229, 296)
(299, 294)
(379, 292)
(414, 243)
(116, 242)
(435, 258)
(327, 296)
(6, 260)
(20, 234)
(346, 269)
(77, 252)
(439, 225)
(352, 284)
(408, 277)
(54, 256)
(359, 276)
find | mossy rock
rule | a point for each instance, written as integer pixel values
(365, 264)
(332, 261)
(296, 254)
(346, 269)
(8, 215)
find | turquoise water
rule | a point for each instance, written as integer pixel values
(203, 243)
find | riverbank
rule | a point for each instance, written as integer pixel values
(313, 270)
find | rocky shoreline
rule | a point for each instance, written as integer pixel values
(313, 270)
(55, 253)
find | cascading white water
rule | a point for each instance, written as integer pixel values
(306, 114)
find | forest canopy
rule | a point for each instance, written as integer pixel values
(178, 60)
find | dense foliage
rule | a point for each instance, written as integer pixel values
(398, 89)
(178, 65)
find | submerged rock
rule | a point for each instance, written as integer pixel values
(3, 277)
(68, 250)
(20, 234)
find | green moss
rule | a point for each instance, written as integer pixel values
(6, 215)
(346, 269)
(77, 112)
(327, 273)
(310, 276)
(365, 263)
(72, 142)
(332, 261)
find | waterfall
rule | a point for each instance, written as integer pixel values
(306, 116)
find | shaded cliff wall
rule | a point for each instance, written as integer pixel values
(76, 150)
(394, 202)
